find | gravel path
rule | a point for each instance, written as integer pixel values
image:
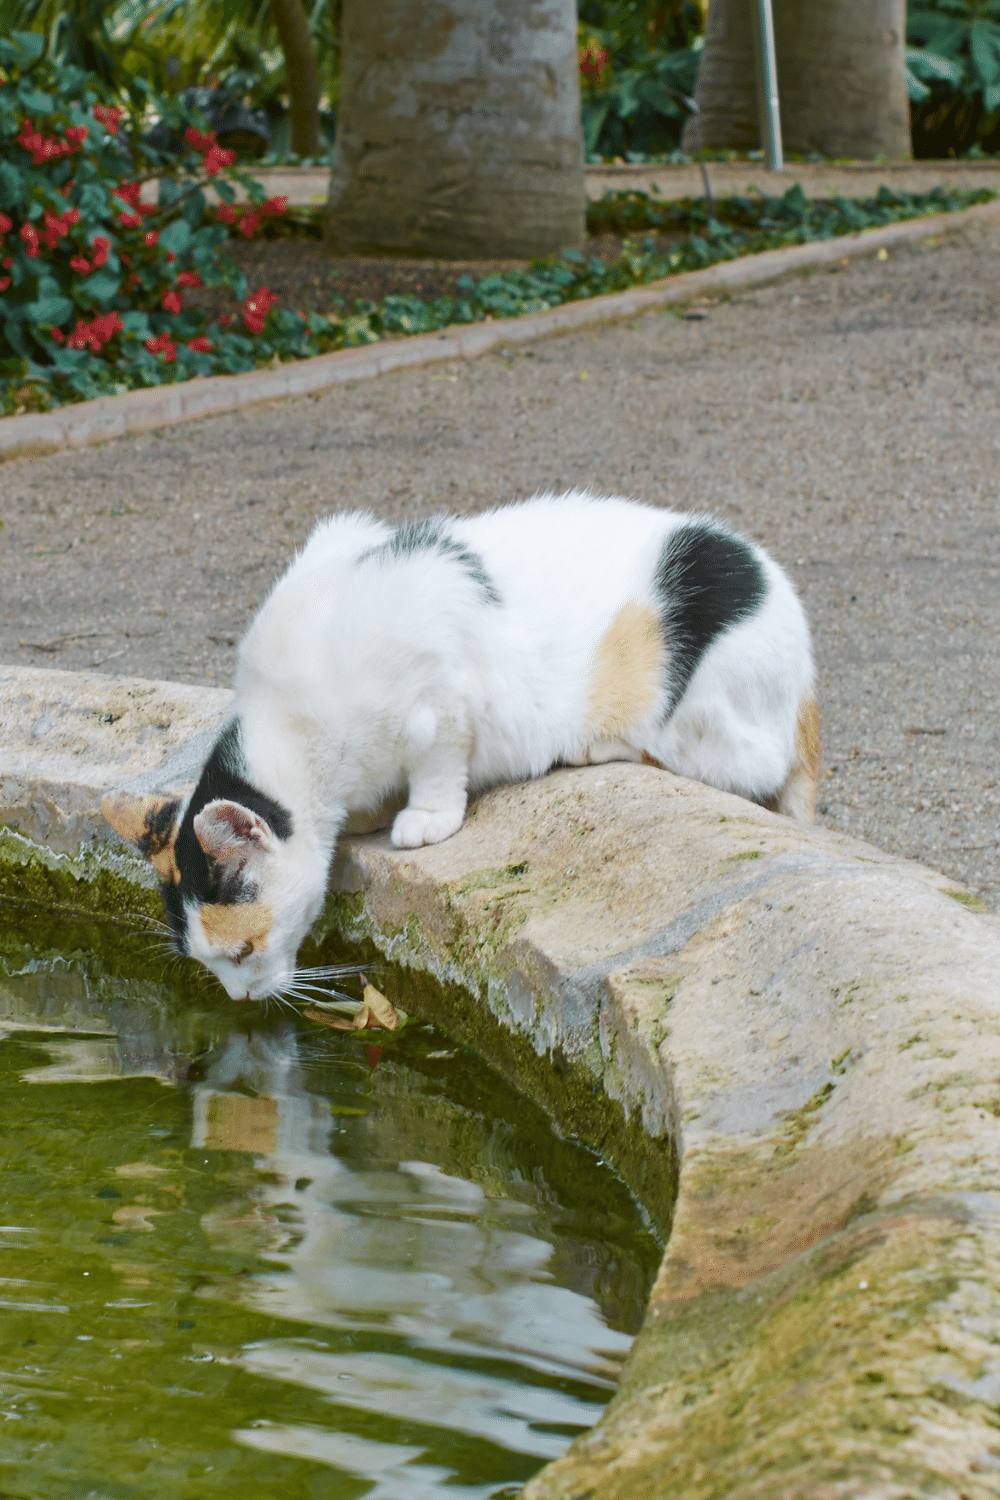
(849, 419)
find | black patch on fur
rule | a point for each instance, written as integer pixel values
(159, 829)
(707, 581)
(431, 535)
(223, 778)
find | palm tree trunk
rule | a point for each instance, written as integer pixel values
(301, 77)
(841, 78)
(458, 130)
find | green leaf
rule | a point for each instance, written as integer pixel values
(102, 285)
(49, 310)
(193, 208)
(176, 237)
(23, 48)
(15, 338)
(11, 183)
(31, 98)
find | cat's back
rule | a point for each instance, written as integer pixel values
(567, 551)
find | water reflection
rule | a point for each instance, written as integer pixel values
(443, 1289)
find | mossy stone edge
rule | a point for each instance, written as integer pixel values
(787, 1038)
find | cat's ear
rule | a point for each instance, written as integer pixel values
(230, 834)
(150, 823)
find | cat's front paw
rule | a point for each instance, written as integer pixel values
(416, 825)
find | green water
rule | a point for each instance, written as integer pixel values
(244, 1255)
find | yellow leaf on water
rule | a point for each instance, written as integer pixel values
(381, 1010)
(338, 1023)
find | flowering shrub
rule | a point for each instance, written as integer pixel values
(93, 277)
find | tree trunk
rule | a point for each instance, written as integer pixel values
(458, 131)
(841, 78)
(301, 77)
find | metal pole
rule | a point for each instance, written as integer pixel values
(768, 104)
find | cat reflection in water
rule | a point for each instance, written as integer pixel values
(456, 653)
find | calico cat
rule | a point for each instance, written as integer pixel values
(458, 652)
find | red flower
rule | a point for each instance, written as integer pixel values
(273, 208)
(200, 345)
(172, 301)
(57, 334)
(81, 266)
(216, 158)
(130, 220)
(5, 224)
(94, 334)
(8, 261)
(4, 283)
(163, 344)
(189, 278)
(108, 115)
(227, 320)
(171, 257)
(250, 223)
(29, 234)
(592, 60)
(101, 246)
(226, 212)
(125, 259)
(134, 280)
(76, 135)
(151, 237)
(256, 308)
(129, 192)
(199, 141)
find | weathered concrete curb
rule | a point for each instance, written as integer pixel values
(140, 411)
(308, 186)
(808, 1027)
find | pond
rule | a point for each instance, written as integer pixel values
(245, 1254)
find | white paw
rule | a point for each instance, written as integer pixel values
(415, 826)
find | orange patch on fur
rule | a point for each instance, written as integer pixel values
(234, 926)
(626, 676)
(797, 798)
(807, 746)
(148, 822)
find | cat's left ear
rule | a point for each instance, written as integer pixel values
(148, 822)
(230, 834)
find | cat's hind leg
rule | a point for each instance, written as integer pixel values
(797, 797)
(601, 751)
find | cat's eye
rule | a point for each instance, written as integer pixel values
(245, 951)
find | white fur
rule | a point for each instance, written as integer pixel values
(360, 678)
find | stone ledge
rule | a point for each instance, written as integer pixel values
(141, 411)
(807, 1028)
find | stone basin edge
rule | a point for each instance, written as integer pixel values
(795, 1033)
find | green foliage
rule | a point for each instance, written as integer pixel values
(705, 233)
(953, 64)
(93, 279)
(638, 63)
(146, 49)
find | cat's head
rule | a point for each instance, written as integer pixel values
(238, 896)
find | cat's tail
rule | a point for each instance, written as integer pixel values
(797, 798)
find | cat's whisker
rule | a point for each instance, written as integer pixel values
(352, 971)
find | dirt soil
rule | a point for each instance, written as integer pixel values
(303, 275)
(846, 418)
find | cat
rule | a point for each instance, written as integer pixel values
(458, 652)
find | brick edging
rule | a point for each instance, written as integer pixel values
(108, 417)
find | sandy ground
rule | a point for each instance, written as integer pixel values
(849, 419)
